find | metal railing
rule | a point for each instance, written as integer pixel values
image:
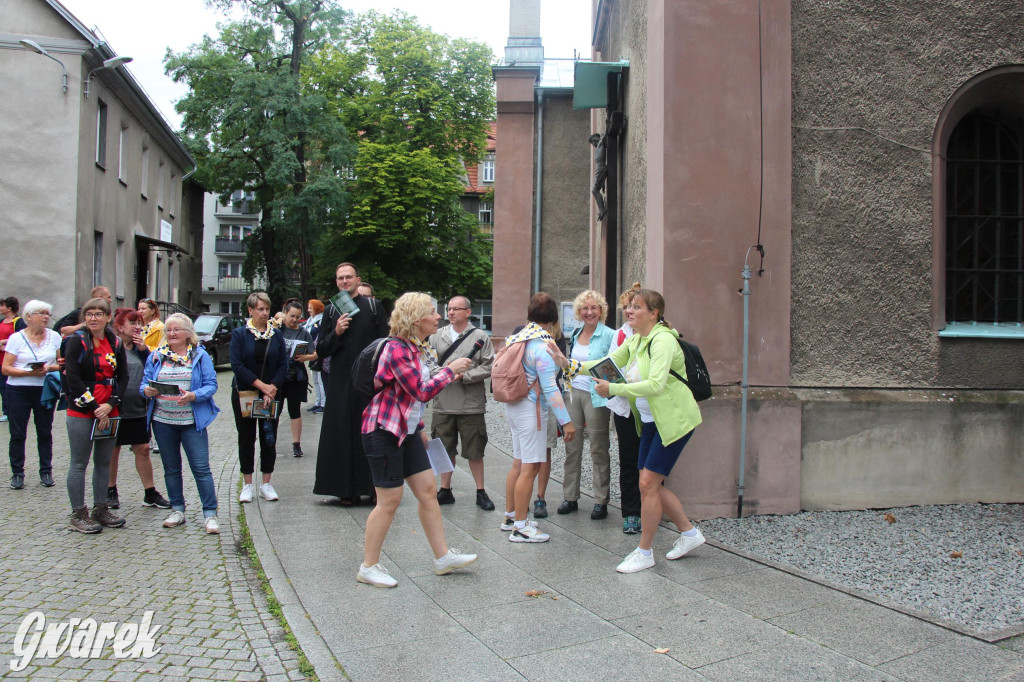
(226, 284)
(230, 245)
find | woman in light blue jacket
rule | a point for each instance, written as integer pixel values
(181, 420)
(592, 341)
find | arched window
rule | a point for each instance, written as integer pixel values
(985, 218)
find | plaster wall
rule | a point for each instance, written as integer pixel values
(877, 448)
(513, 197)
(718, 73)
(566, 191)
(870, 79)
(38, 130)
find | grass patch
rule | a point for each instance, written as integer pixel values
(305, 667)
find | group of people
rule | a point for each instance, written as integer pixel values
(129, 376)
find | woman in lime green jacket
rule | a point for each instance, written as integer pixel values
(665, 413)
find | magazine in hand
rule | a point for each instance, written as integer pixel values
(245, 400)
(344, 303)
(607, 371)
(297, 348)
(261, 410)
(164, 388)
(109, 432)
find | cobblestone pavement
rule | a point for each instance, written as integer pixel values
(212, 618)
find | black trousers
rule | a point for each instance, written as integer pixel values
(629, 475)
(251, 429)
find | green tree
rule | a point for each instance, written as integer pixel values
(252, 125)
(418, 104)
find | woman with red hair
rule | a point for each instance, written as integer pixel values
(315, 309)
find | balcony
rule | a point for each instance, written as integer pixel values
(230, 285)
(240, 208)
(230, 245)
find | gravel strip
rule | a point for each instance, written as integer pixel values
(910, 561)
(963, 563)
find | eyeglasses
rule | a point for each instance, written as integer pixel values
(95, 315)
(452, 310)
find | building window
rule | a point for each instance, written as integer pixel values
(160, 185)
(101, 134)
(170, 281)
(119, 269)
(487, 168)
(985, 218)
(229, 270)
(144, 175)
(173, 195)
(122, 158)
(235, 232)
(97, 259)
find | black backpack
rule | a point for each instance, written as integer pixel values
(364, 369)
(699, 380)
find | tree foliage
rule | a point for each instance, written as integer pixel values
(352, 132)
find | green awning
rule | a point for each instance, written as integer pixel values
(590, 83)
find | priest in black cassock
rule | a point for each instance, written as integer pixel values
(341, 467)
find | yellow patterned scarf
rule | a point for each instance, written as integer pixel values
(260, 335)
(166, 351)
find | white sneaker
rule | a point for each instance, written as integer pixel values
(684, 544)
(268, 493)
(212, 525)
(376, 575)
(452, 561)
(635, 562)
(510, 524)
(528, 534)
(175, 519)
(246, 495)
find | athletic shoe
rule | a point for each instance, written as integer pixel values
(528, 534)
(46, 479)
(568, 507)
(510, 524)
(18, 481)
(311, 408)
(445, 496)
(212, 525)
(246, 495)
(268, 493)
(175, 519)
(452, 561)
(113, 501)
(483, 501)
(631, 525)
(540, 509)
(3, 417)
(635, 562)
(684, 544)
(155, 499)
(600, 512)
(375, 575)
(296, 450)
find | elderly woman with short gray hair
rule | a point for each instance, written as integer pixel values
(31, 353)
(180, 421)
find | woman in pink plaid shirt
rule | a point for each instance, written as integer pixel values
(395, 441)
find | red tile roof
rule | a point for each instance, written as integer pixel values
(473, 185)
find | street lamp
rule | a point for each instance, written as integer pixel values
(111, 63)
(39, 49)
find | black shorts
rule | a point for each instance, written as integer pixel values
(391, 463)
(132, 432)
(294, 396)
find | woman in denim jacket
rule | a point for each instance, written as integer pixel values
(592, 341)
(181, 420)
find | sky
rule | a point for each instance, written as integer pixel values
(144, 29)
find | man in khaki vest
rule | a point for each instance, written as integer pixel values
(458, 411)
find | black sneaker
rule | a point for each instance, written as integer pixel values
(483, 501)
(155, 499)
(296, 450)
(445, 496)
(540, 509)
(113, 502)
(568, 506)
(600, 512)
(18, 481)
(46, 479)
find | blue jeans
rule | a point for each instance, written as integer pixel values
(171, 439)
(23, 402)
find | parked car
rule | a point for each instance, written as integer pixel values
(214, 332)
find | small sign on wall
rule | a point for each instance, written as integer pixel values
(166, 231)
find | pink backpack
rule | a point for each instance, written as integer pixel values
(508, 376)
